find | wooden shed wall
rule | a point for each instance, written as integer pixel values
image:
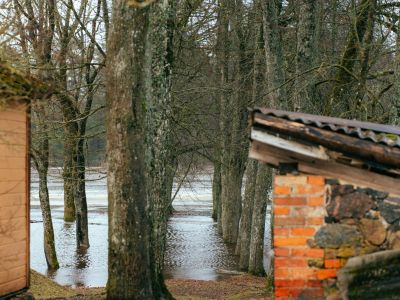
(14, 200)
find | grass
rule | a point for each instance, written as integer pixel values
(45, 288)
(240, 287)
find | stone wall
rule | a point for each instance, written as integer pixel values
(320, 224)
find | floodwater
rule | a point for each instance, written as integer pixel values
(194, 248)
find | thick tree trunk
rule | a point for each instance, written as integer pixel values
(235, 150)
(258, 80)
(231, 203)
(161, 166)
(131, 262)
(222, 51)
(243, 244)
(263, 185)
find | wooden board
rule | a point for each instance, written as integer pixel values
(277, 142)
(359, 177)
(14, 200)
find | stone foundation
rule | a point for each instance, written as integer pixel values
(320, 224)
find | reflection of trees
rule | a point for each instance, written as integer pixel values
(81, 258)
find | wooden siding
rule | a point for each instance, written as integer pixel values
(14, 200)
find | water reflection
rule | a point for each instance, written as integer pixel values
(194, 248)
(193, 244)
(82, 259)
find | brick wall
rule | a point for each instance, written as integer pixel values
(299, 211)
(319, 224)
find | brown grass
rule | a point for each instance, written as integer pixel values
(240, 287)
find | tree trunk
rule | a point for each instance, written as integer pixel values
(334, 29)
(131, 262)
(90, 74)
(40, 156)
(243, 244)
(263, 185)
(216, 190)
(69, 167)
(231, 203)
(81, 213)
(49, 245)
(222, 52)
(161, 167)
(275, 67)
(364, 56)
(304, 92)
(235, 150)
(258, 81)
(344, 89)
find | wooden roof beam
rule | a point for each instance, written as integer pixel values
(354, 147)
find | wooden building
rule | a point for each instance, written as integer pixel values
(16, 92)
(14, 199)
(336, 204)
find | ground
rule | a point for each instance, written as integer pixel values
(233, 288)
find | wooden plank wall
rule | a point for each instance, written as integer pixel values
(14, 200)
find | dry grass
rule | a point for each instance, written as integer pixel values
(243, 287)
(44, 288)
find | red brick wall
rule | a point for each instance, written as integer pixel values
(299, 211)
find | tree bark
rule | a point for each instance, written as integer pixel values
(243, 244)
(344, 89)
(70, 115)
(81, 213)
(131, 261)
(216, 189)
(40, 156)
(304, 93)
(364, 56)
(49, 244)
(161, 162)
(222, 52)
(275, 67)
(235, 148)
(69, 166)
(263, 185)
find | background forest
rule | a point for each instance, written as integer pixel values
(200, 64)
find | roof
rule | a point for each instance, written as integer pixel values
(363, 153)
(15, 86)
(378, 133)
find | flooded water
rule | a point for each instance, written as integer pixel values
(194, 248)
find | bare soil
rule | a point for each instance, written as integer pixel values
(238, 287)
